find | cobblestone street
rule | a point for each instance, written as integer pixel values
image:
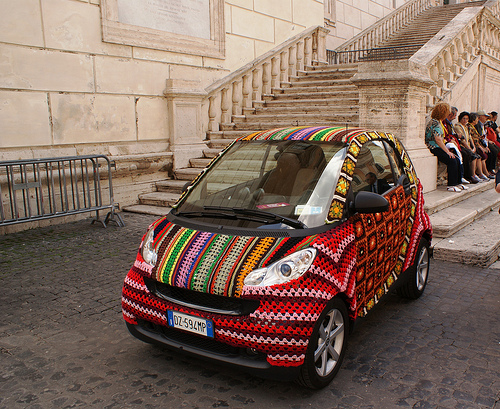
(64, 344)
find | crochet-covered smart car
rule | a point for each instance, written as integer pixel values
(275, 249)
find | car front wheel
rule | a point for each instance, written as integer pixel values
(326, 347)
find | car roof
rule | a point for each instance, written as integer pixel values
(342, 134)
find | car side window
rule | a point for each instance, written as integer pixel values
(397, 163)
(373, 171)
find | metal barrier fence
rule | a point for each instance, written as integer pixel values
(39, 189)
(372, 54)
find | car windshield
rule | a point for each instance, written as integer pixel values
(267, 184)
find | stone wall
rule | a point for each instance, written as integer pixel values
(65, 91)
(69, 86)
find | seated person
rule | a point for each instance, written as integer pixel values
(375, 185)
(281, 179)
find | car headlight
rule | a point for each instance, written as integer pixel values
(284, 270)
(148, 251)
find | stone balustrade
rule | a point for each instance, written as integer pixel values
(240, 90)
(384, 28)
(455, 48)
(490, 31)
(493, 6)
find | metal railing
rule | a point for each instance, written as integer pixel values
(372, 54)
(39, 189)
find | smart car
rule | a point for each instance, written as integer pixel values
(278, 246)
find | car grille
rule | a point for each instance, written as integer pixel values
(202, 301)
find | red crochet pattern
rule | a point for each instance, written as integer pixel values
(282, 325)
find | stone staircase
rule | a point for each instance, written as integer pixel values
(465, 224)
(317, 96)
(426, 25)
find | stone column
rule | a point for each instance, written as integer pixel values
(185, 120)
(392, 98)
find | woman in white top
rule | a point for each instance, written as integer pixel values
(467, 143)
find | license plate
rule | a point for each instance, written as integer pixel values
(190, 323)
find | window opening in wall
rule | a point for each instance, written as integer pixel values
(329, 12)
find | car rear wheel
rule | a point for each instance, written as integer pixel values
(326, 347)
(419, 273)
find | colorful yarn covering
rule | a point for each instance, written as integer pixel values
(282, 325)
(360, 258)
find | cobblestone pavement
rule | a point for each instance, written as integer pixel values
(63, 342)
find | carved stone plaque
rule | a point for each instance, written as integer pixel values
(184, 17)
(184, 26)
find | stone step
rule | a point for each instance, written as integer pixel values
(317, 76)
(211, 153)
(147, 209)
(440, 198)
(327, 82)
(315, 94)
(226, 127)
(162, 199)
(220, 143)
(407, 41)
(228, 135)
(448, 221)
(337, 100)
(309, 117)
(306, 108)
(320, 88)
(313, 121)
(199, 162)
(170, 186)
(477, 244)
(187, 173)
(333, 68)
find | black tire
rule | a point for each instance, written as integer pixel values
(331, 330)
(418, 273)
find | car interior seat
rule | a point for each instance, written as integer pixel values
(313, 163)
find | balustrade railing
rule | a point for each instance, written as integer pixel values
(493, 6)
(372, 54)
(456, 47)
(238, 91)
(384, 28)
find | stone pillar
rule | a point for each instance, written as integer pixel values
(392, 98)
(184, 106)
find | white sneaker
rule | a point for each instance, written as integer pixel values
(463, 187)
(465, 181)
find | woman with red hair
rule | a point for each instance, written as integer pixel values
(434, 139)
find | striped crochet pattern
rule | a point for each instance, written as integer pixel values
(282, 325)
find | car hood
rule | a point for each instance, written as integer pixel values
(218, 263)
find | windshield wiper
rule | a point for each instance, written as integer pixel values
(261, 214)
(222, 213)
(208, 213)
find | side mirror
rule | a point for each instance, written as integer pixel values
(369, 202)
